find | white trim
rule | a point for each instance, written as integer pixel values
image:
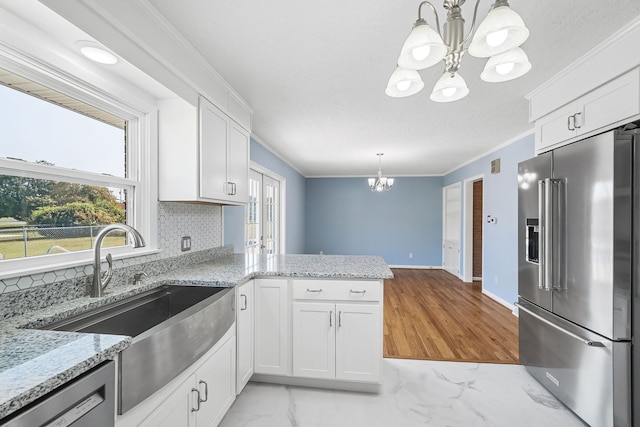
(496, 298)
(467, 227)
(418, 267)
(603, 46)
(373, 174)
(494, 149)
(72, 259)
(48, 64)
(276, 153)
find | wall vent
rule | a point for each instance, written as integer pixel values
(495, 166)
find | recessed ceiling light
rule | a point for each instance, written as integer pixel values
(96, 53)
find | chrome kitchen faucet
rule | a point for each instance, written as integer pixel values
(99, 282)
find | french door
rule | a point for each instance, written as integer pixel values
(262, 219)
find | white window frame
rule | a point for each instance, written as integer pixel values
(141, 164)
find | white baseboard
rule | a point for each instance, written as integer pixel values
(418, 267)
(500, 300)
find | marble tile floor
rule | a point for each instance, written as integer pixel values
(415, 393)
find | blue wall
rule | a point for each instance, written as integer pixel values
(344, 217)
(500, 192)
(295, 200)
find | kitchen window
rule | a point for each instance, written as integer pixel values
(70, 164)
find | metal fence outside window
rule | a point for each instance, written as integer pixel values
(29, 240)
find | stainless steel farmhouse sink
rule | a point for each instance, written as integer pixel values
(172, 326)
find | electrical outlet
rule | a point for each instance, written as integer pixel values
(321, 253)
(410, 255)
(186, 243)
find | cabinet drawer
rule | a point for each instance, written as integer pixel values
(341, 290)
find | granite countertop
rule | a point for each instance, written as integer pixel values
(35, 362)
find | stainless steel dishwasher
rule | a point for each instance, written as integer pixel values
(87, 401)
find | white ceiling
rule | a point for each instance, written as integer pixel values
(315, 74)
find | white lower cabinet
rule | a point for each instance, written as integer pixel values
(244, 334)
(314, 340)
(271, 326)
(200, 397)
(336, 341)
(319, 332)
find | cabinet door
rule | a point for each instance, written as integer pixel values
(557, 127)
(271, 327)
(358, 342)
(216, 381)
(244, 311)
(615, 101)
(314, 342)
(175, 410)
(213, 151)
(238, 163)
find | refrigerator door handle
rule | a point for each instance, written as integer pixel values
(548, 234)
(542, 250)
(564, 331)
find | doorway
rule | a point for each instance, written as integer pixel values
(262, 228)
(473, 225)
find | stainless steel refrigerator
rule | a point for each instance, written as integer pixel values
(578, 261)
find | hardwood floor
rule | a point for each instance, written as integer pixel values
(432, 315)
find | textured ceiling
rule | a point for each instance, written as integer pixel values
(315, 74)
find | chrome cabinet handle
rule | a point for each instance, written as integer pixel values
(314, 290)
(575, 120)
(571, 119)
(197, 408)
(357, 292)
(564, 331)
(340, 319)
(206, 391)
(330, 318)
(245, 302)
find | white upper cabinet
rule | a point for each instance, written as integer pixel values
(607, 105)
(597, 92)
(203, 154)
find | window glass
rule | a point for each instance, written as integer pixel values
(46, 210)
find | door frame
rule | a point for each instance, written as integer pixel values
(282, 244)
(467, 228)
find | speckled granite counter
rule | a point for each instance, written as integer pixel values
(34, 362)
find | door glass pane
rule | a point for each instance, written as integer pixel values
(253, 213)
(271, 188)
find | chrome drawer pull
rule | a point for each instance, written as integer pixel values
(357, 292)
(314, 290)
(206, 391)
(330, 316)
(553, 325)
(197, 408)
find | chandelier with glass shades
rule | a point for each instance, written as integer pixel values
(380, 183)
(498, 38)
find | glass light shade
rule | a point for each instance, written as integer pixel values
(449, 87)
(390, 182)
(403, 83)
(422, 49)
(506, 66)
(502, 30)
(372, 182)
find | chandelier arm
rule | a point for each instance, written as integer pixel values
(435, 13)
(473, 23)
